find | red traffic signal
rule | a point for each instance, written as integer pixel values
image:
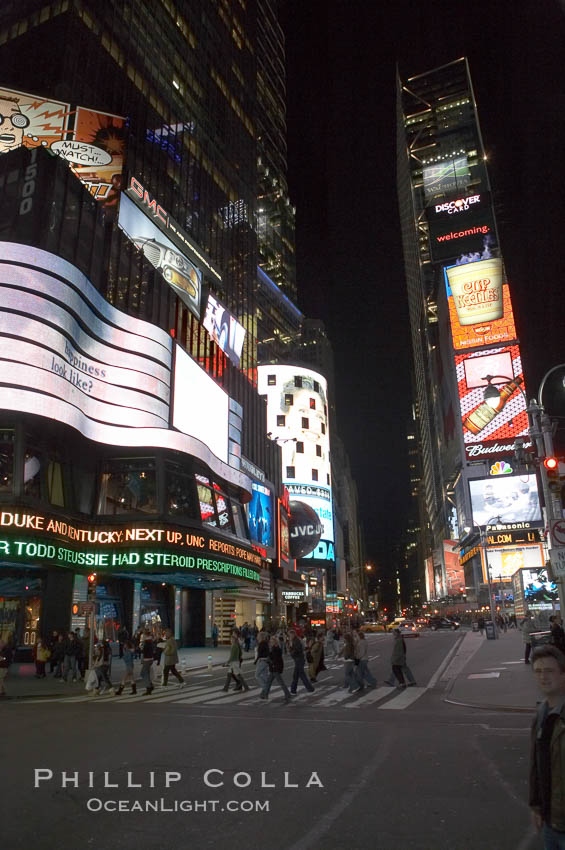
(552, 466)
(92, 578)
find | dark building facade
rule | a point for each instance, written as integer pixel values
(169, 93)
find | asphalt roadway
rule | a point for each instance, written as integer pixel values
(385, 769)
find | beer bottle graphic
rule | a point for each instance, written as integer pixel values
(480, 417)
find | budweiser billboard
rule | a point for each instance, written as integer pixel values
(491, 424)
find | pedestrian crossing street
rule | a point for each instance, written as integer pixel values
(326, 696)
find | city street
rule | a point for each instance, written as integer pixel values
(385, 768)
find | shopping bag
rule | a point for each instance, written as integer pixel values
(91, 681)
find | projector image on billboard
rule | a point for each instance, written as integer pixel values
(200, 406)
(260, 514)
(503, 501)
(224, 329)
(177, 269)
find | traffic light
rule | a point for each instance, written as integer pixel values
(551, 467)
(92, 586)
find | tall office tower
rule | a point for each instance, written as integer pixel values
(148, 265)
(275, 213)
(469, 385)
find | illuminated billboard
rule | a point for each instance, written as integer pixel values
(480, 309)
(297, 418)
(454, 572)
(178, 271)
(505, 501)
(469, 240)
(260, 515)
(505, 561)
(539, 591)
(200, 406)
(446, 177)
(224, 329)
(68, 355)
(491, 425)
(92, 142)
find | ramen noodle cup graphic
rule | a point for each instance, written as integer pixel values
(477, 291)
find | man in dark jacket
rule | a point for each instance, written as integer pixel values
(297, 653)
(147, 646)
(547, 748)
(557, 633)
(72, 652)
(276, 667)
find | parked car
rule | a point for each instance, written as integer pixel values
(436, 623)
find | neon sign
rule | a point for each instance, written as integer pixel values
(56, 528)
(38, 549)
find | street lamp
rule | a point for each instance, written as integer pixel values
(484, 552)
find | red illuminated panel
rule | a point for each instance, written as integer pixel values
(490, 427)
(487, 333)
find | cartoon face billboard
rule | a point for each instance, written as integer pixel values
(92, 142)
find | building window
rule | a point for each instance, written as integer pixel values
(297, 381)
(328, 477)
(323, 428)
(288, 399)
(271, 380)
(314, 475)
(290, 472)
(6, 460)
(128, 486)
(316, 387)
(215, 507)
(181, 495)
(281, 421)
(305, 422)
(318, 451)
(300, 448)
(312, 404)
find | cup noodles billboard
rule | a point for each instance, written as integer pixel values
(480, 309)
(92, 142)
(490, 427)
(505, 501)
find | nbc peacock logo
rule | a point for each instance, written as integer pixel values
(501, 468)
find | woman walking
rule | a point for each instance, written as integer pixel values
(262, 660)
(397, 660)
(347, 652)
(170, 658)
(128, 658)
(234, 663)
(276, 667)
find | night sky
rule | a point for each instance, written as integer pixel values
(341, 65)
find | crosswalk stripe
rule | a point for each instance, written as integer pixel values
(337, 695)
(371, 697)
(218, 698)
(404, 699)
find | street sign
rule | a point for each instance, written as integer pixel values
(557, 558)
(86, 608)
(558, 532)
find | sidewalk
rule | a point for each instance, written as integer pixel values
(513, 689)
(21, 682)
